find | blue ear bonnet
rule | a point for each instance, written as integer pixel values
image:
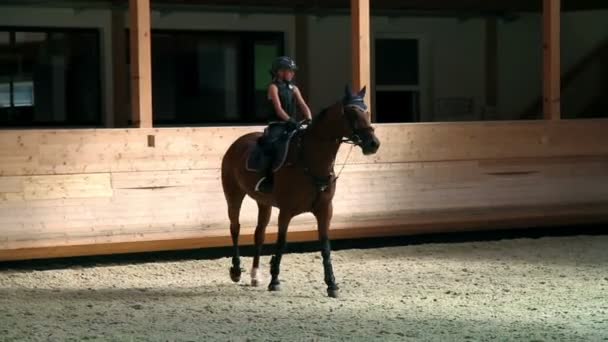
(355, 101)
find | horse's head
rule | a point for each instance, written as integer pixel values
(347, 121)
(357, 128)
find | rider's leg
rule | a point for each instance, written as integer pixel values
(265, 184)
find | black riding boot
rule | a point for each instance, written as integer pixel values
(265, 184)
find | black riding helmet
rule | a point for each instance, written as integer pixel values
(282, 63)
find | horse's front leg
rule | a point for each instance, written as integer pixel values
(323, 215)
(275, 262)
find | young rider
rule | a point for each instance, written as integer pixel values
(284, 99)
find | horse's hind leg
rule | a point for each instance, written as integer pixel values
(234, 200)
(264, 212)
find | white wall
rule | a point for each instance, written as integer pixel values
(520, 57)
(582, 32)
(227, 22)
(519, 64)
(454, 48)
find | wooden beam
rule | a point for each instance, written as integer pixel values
(141, 63)
(551, 59)
(119, 68)
(302, 54)
(360, 36)
(521, 218)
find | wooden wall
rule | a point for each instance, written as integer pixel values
(80, 192)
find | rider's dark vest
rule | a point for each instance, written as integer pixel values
(287, 97)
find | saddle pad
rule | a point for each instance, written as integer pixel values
(258, 161)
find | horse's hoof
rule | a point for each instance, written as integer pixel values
(255, 277)
(274, 287)
(235, 274)
(333, 293)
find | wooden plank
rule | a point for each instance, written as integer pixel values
(514, 218)
(11, 185)
(40, 152)
(141, 63)
(552, 59)
(360, 40)
(67, 186)
(184, 204)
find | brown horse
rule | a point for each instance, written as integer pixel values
(305, 183)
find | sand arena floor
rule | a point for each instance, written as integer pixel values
(548, 289)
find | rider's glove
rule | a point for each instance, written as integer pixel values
(291, 124)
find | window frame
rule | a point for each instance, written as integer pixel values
(424, 72)
(246, 81)
(96, 123)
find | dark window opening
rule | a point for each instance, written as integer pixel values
(397, 78)
(208, 77)
(49, 77)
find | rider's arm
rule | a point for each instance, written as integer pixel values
(273, 95)
(303, 106)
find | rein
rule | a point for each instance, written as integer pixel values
(345, 161)
(322, 183)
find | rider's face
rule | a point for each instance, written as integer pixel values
(286, 74)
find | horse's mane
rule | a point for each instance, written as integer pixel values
(355, 100)
(321, 115)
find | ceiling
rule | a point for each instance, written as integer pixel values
(483, 5)
(478, 6)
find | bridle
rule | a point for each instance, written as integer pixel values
(322, 183)
(356, 132)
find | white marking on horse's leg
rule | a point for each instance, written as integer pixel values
(255, 276)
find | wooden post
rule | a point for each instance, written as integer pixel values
(551, 59)
(119, 67)
(360, 36)
(141, 63)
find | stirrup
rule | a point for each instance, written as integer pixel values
(263, 186)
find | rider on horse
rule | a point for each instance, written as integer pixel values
(283, 99)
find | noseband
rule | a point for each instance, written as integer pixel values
(356, 133)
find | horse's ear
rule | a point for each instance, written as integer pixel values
(348, 93)
(362, 92)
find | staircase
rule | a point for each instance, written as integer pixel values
(591, 69)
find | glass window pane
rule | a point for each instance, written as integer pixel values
(217, 67)
(397, 106)
(52, 78)
(81, 66)
(33, 58)
(5, 94)
(6, 67)
(264, 54)
(195, 77)
(397, 62)
(203, 77)
(23, 94)
(164, 77)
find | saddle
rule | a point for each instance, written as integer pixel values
(271, 149)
